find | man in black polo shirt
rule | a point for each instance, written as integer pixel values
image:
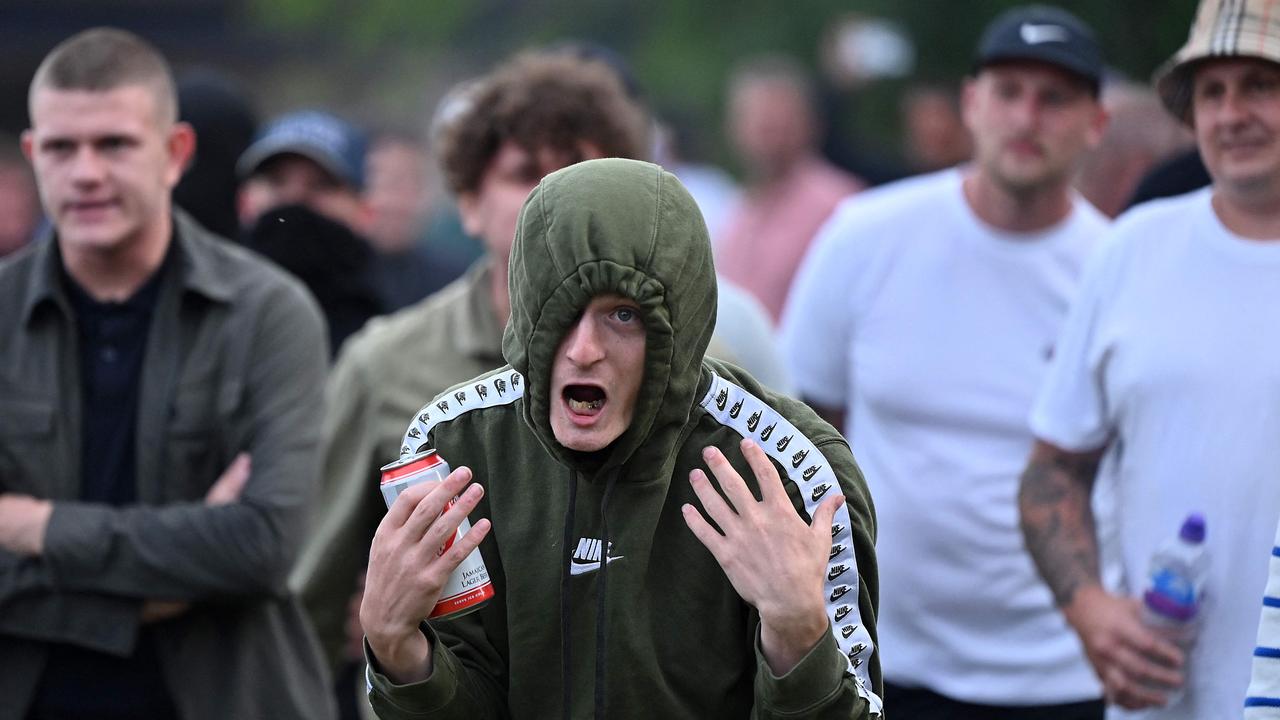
(155, 387)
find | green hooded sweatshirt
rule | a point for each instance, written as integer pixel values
(656, 630)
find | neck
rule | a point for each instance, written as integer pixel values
(115, 274)
(1253, 215)
(770, 175)
(499, 293)
(1015, 210)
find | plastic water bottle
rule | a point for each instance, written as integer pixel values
(1171, 602)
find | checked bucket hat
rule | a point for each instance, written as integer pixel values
(1222, 28)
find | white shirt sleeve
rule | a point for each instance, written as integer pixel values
(1071, 410)
(817, 320)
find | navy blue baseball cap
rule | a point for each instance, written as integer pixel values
(1045, 34)
(332, 143)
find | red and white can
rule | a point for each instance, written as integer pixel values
(468, 587)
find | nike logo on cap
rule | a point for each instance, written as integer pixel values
(1036, 34)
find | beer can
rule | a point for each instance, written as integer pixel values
(468, 586)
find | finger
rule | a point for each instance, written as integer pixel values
(714, 505)
(825, 516)
(445, 527)
(771, 490)
(431, 504)
(707, 535)
(238, 474)
(731, 483)
(1152, 645)
(404, 504)
(1151, 658)
(230, 483)
(1133, 696)
(460, 549)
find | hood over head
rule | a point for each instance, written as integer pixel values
(624, 227)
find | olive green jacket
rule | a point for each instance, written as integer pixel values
(607, 605)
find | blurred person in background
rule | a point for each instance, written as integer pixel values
(935, 136)
(715, 191)
(399, 197)
(301, 204)
(19, 201)
(1140, 134)
(744, 331)
(224, 121)
(155, 466)
(790, 189)
(922, 323)
(494, 138)
(1165, 387)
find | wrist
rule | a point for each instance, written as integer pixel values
(787, 639)
(1076, 609)
(403, 655)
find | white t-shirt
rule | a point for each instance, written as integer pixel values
(744, 329)
(934, 330)
(1173, 352)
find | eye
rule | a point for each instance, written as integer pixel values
(626, 314)
(58, 147)
(114, 143)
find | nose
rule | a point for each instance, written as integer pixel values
(1232, 109)
(582, 344)
(1026, 111)
(292, 190)
(87, 169)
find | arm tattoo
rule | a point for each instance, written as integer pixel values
(1057, 520)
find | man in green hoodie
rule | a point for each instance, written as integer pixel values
(589, 455)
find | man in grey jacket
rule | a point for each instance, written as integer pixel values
(156, 388)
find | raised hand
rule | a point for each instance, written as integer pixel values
(773, 558)
(407, 572)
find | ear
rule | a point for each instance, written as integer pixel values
(181, 146)
(968, 99)
(1098, 125)
(469, 211)
(27, 142)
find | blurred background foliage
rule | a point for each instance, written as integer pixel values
(683, 50)
(386, 62)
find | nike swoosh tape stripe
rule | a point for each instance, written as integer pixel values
(857, 645)
(501, 387)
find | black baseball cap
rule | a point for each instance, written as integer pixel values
(1045, 34)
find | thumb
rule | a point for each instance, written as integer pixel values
(825, 515)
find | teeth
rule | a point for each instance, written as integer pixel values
(585, 405)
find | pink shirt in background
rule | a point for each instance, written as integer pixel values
(769, 231)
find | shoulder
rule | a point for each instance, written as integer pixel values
(898, 205)
(1149, 230)
(16, 273)
(253, 283)
(782, 425)
(412, 329)
(1086, 218)
(1161, 213)
(500, 388)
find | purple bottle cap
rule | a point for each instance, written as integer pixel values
(1193, 529)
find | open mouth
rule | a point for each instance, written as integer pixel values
(584, 399)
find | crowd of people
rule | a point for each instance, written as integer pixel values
(800, 447)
